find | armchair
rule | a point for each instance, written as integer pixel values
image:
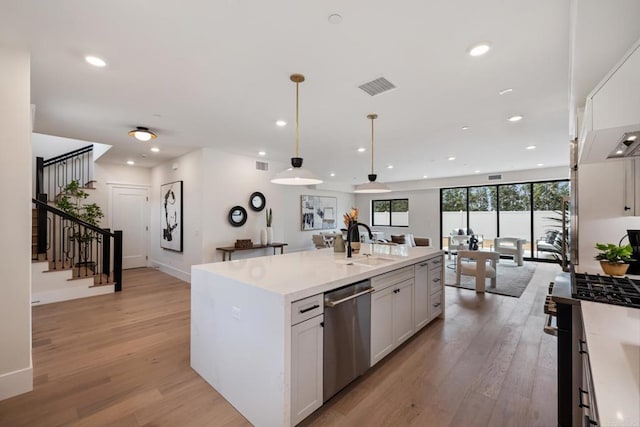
(480, 269)
(510, 246)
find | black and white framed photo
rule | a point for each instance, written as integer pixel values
(318, 213)
(171, 216)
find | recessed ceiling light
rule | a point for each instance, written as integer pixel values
(390, 167)
(332, 174)
(142, 134)
(451, 158)
(619, 151)
(155, 149)
(540, 164)
(476, 171)
(335, 19)
(281, 123)
(425, 176)
(361, 150)
(530, 147)
(515, 118)
(262, 153)
(131, 162)
(95, 61)
(465, 127)
(479, 49)
(505, 91)
(632, 138)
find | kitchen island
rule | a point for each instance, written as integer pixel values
(243, 313)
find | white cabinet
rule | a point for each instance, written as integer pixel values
(421, 293)
(632, 187)
(392, 320)
(306, 364)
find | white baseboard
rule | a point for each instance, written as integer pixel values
(72, 292)
(16, 382)
(171, 271)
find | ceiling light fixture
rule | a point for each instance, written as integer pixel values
(262, 153)
(361, 150)
(142, 134)
(390, 167)
(372, 186)
(131, 162)
(479, 49)
(95, 61)
(155, 149)
(540, 164)
(516, 118)
(505, 91)
(476, 171)
(296, 175)
(465, 127)
(451, 158)
(530, 147)
(332, 174)
(281, 123)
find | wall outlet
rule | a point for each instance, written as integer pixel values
(235, 313)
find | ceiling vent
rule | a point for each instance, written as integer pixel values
(377, 86)
(495, 177)
(262, 166)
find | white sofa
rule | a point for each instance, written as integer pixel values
(510, 246)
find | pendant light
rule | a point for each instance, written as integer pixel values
(296, 175)
(372, 186)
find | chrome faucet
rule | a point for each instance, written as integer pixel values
(355, 224)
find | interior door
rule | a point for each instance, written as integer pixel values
(130, 213)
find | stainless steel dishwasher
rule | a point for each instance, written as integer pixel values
(347, 335)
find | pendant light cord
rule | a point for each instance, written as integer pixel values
(372, 119)
(297, 131)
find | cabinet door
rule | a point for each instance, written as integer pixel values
(421, 295)
(403, 311)
(632, 187)
(306, 368)
(382, 340)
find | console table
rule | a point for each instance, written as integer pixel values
(231, 249)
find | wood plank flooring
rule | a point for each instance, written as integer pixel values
(123, 360)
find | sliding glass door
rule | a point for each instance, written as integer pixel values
(483, 214)
(453, 210)
(515, 213)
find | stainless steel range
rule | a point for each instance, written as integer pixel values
(563, 307)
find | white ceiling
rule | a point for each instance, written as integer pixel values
(216, 74)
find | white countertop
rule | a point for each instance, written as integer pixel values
(298, 275)
(613, 343)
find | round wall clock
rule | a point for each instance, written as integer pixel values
(237, 216)
(257, 201)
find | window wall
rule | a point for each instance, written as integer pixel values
(531, 211)
(390, 213)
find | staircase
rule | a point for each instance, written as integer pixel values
(70, 258)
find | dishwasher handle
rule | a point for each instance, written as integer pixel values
(333, 303)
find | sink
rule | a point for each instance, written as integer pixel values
(371, 261)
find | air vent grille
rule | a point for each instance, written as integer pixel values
(494, 177)
(262, 166)
(377, 86)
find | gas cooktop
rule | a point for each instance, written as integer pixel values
(607, 289)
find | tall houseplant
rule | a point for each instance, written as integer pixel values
(614, 259)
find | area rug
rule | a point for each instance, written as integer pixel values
(512, 280)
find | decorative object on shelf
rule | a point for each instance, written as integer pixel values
(142, 134)
(269, 229)
(296, 175)
(372, 186)
(257, 201)
(263, 237)
(237, 216)
(243, 243)
(614, 259)
(318, 212)
(171, 217)
(351, 218)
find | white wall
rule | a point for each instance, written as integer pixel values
(601, 203)
(214, 182)
(16, 373)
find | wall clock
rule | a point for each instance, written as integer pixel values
(257, 201)
(237, 216)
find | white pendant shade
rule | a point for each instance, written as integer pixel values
(296, 176)
(372, 187)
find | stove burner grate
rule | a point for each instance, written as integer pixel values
(607, 289)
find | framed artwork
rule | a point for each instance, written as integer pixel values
(171, 218)
(318, 212)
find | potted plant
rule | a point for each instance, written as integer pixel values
(614, 259)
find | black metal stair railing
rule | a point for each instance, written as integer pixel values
(53, 174)
(69, 243)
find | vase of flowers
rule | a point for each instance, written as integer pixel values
(350, 218)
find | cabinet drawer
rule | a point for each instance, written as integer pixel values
(391, 278)
(436, 262)
(435, 280)
(307, 308)
(436, 304)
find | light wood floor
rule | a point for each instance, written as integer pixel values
(123, 360)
